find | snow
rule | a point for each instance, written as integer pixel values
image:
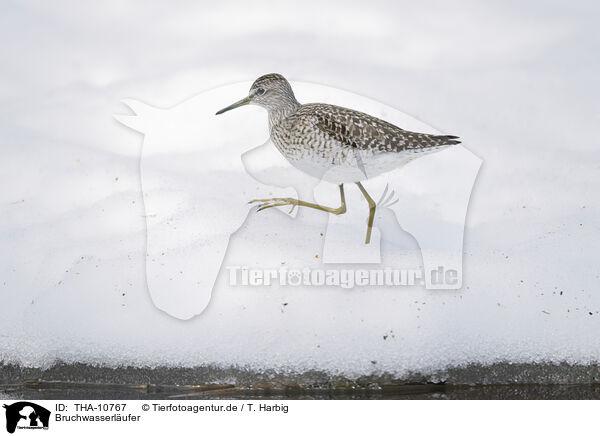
(73, 223)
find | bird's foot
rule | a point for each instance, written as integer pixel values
(386, 199)
(266, 203)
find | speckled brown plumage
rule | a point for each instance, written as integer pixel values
(334, 143)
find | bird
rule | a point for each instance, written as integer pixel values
(334, 143)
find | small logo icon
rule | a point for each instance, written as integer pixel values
(26, 415)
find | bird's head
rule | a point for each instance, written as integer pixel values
(271, 91)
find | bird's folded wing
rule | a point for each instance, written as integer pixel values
(365, 132)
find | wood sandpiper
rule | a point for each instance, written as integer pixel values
(333, 143)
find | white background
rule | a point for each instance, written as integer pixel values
(353, 417)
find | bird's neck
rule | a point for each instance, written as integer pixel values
(281, 111)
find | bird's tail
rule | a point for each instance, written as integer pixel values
(448, 139)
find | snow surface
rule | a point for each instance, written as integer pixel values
(517, 82)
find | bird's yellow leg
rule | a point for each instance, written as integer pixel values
(372, 206)
(266, 203)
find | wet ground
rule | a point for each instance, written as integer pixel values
(406, 392)
(498, 381)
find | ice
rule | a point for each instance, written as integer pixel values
(517, 85)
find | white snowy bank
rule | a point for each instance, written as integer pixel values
(73, 226)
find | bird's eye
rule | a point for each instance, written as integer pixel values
(260, 91)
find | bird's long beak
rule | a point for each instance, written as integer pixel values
(242, 102)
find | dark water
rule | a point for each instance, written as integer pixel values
(414, 392)
(499, 381)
